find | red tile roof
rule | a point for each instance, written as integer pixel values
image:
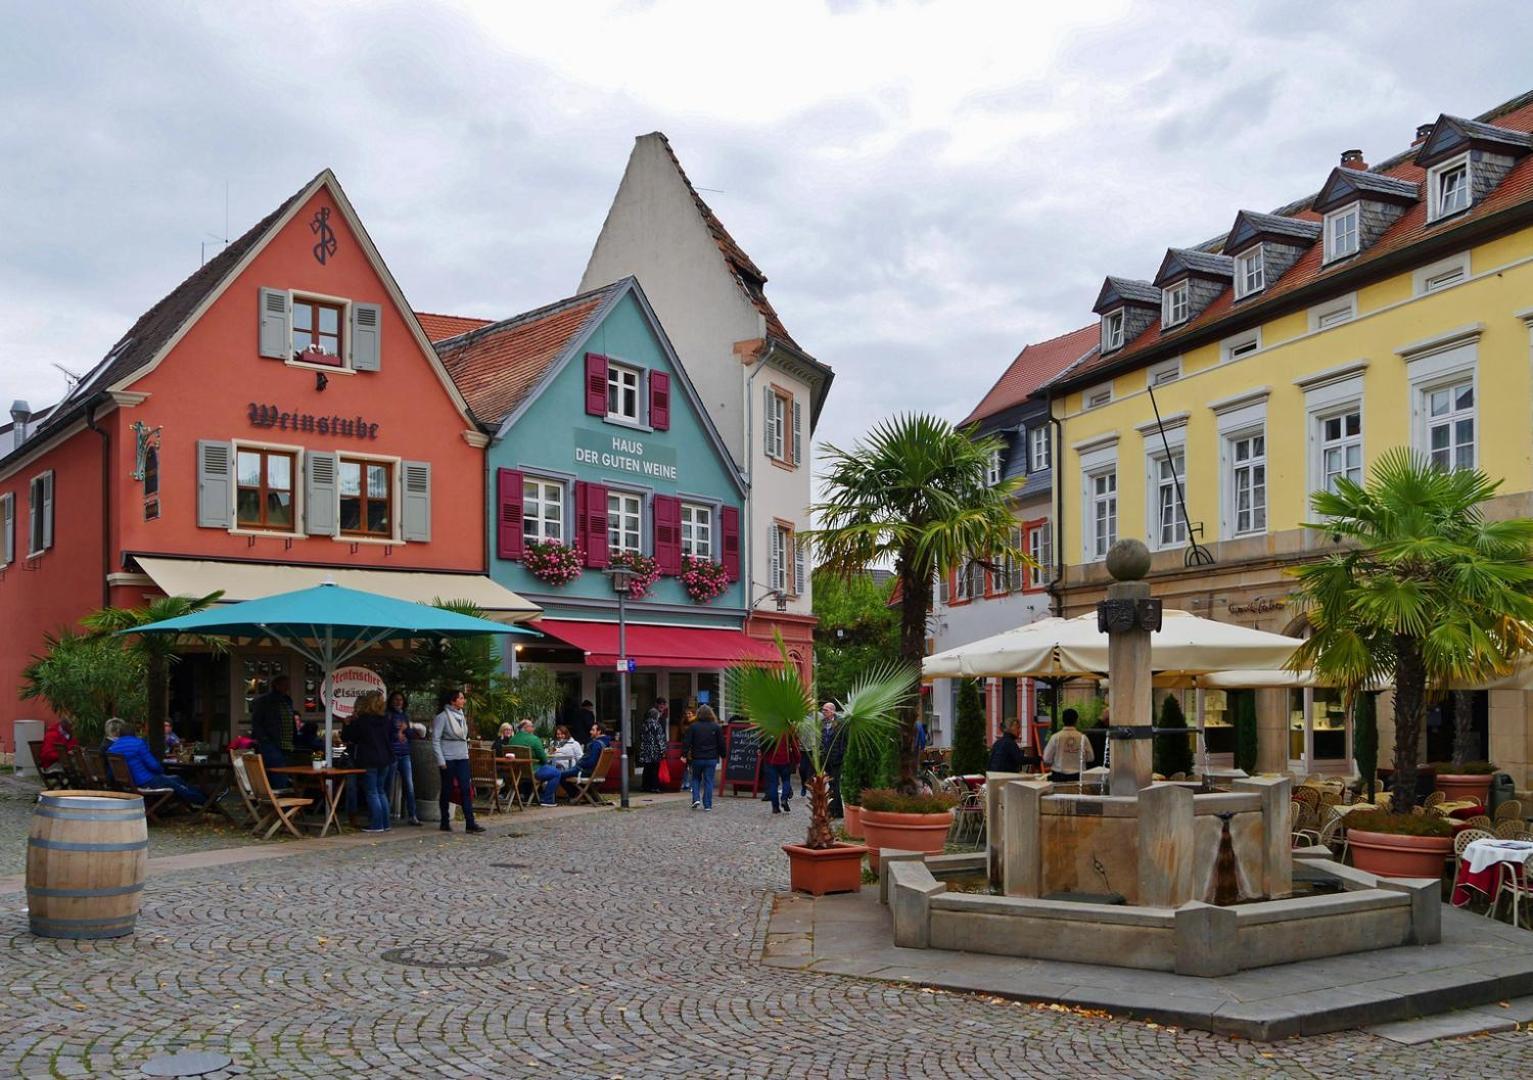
(497, 365)
(1515, 189)
(1035, 365)
(438, 327)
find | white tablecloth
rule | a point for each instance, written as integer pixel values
(1481, 855)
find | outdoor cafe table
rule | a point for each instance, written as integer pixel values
(212, 778)
(333, 786)
(517, 768)
(1481, 862)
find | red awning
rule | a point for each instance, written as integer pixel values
(660, 646)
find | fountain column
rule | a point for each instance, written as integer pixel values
(1128, 616)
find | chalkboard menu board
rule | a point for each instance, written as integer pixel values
(742, 768)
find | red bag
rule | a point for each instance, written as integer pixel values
(665, 772)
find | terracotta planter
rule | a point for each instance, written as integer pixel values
(906, 832)
(1459, 786)
(1389, 855)
(818, 871)
(851, 820)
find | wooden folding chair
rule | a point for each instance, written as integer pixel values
(482, 774)
(154, 797)
(79, 772)
(588, 788)
(283, 808)
(96, 771)
(53, 778)
(259, 814)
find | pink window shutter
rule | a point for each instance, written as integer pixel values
(667, 510)
(659, 401)
(596, 384)
(597, 552)
(729, 528)
(508, 513)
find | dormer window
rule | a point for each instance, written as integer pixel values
(1448, 188)
(1250, 273)
(1342, 233)
(1174, 305)
(1112, 331)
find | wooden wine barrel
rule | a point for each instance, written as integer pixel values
(86, 857)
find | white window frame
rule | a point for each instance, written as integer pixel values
(993, 467)
(1336, 234)
(1451, 419)
(1234, 469)
(1167, 371)
(1113, 324)
(1089, 400)
(38, 540)
(1237, 419)
(618, 374)
(780, 557)
(540, 517)
(1155, 457)
(1101, 512)
(618, 515)
(1240, 345)
(1440, 275)
(777, 426)
(1040, 548)
(1333, 313)
(1176, 305)
(1326, 401)
(1250, 272)
(1341, 444)
(697, 530)
(1436, 209)
(1040, 450)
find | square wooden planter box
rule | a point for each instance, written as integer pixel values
(818, 871)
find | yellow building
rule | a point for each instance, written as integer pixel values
(1393, 307)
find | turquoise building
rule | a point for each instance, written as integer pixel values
(601, 453)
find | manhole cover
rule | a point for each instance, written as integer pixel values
(188, 1064)
(447, 955)
(511, 865)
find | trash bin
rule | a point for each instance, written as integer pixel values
(1501, 789)
(428, 779)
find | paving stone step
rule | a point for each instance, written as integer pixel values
(1475, 1021)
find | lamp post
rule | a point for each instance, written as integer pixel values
(621, 575)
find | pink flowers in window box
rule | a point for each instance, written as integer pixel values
(703, 579)
(552, 562)
(646, 571)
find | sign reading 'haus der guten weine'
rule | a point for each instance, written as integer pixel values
(624, 453)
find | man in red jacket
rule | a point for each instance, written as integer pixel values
(58, 740)
(779, 764)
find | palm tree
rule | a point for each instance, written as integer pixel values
(781, 708)
(157, 650)
(1425, 593)
(913, 494)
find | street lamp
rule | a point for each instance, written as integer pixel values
(621, 576)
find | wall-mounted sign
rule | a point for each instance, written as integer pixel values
(634, 454)
(350, 683)
(348, 427)
(1259, 605)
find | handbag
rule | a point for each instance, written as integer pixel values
(664, 775)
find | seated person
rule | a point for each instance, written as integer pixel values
(1007, 755)
(503, 739)
(600, 740)
(111, 733)
(567, 749)
(543, 772)
(58, 741)
(172, 740)
(308, 738)
(1067, 747)
(147, 772)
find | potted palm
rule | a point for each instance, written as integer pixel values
(1399, 845)
(781, 709)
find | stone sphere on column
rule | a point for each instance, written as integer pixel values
(1128, 560)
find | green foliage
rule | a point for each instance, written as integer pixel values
(1365, 739)
(858, 608)
(1089, 712)
(1173, 753)
(889, 801)
(1426, 592)
(970, 753)
(89, 678)
(1243, 719)
(472, 663)
(866, 767)
(1382, 821)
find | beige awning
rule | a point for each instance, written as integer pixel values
(251, 581)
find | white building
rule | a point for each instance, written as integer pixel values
(763, 391)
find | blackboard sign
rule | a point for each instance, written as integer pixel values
(742, 764)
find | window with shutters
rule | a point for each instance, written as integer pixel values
(40, 514)
(7, 529)
(781, 551)
(317, 331)
(779, 407)
(697, 530)
(1038, 439)
(264, 489)
(367, 497)
(542, 510)
(623, 393)
(1040, 549)
(625, 519)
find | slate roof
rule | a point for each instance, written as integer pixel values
(497, 365)
(1275, 225)
(1035, 365)
(1130, 290)
(440, 327)
(1206, 263)
(1496, 133)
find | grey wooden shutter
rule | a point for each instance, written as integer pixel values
(7, 530)
(47, 479)
(799, 548)
(798, 437)
(215, 479)
(942, 589)
(417, 511)
(365, 333)
(766, 419)
(775, 570)
(276, 324)
(321, 498)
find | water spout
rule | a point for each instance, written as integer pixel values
(1226, 880)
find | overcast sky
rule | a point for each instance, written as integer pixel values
(927, 186)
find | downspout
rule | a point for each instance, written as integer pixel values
(1056, 599)
(106, 504)
(748, 526)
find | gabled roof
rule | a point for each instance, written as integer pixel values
(497, 365)
(1344, 185)
(1179, 261)
(1117, 291)
(439, 327)
(1451, 134)
(1251, 226)
(1035, 365)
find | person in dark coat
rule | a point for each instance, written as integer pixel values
(367, 733)
(271, 724)
(584, 721)
(1006, 754)
(832, 753)
(704, 747)
(652, 740)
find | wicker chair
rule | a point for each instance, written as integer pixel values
(1482, 821)
(1303, 824)
(1434, 798)
(1460, 842)
(1334, 832)
(1510, 830)
(1309, 796)
(1511, 810)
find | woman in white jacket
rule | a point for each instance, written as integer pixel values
(449, 744)
(566, 757)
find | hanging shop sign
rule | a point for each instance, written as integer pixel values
(348, 427)
(631, 454)
(350, 683)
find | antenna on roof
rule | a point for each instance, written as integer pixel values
(73, 379)
(223, 240)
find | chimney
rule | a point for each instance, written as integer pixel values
(1353, 159)
(1422, 131)
(21, 412)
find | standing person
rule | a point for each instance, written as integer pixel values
(368, 736)
(449, 745)
(703, 745)
(780, 763)
(271, 723)
(1067, 747)
(920, 740)
(585, 720)
(832, 753)
(1006, 755)
(652, 740)
(400, 731)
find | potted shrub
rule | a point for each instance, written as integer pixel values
(865, 766)
(1465, 780)
(907, 822)
(780, 708)
(1399, 845)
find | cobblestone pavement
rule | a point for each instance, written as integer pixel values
(609, 945)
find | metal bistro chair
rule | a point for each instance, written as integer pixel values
(969, 815)
(1460, 842)
(1512, 881)
(1333, 833)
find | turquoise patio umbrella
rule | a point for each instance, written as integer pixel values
(329, 625)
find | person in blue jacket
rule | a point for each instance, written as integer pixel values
(600, 740)
(147, 772)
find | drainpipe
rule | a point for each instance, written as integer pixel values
(748, 526)
(1056, 599)
(106, 504)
